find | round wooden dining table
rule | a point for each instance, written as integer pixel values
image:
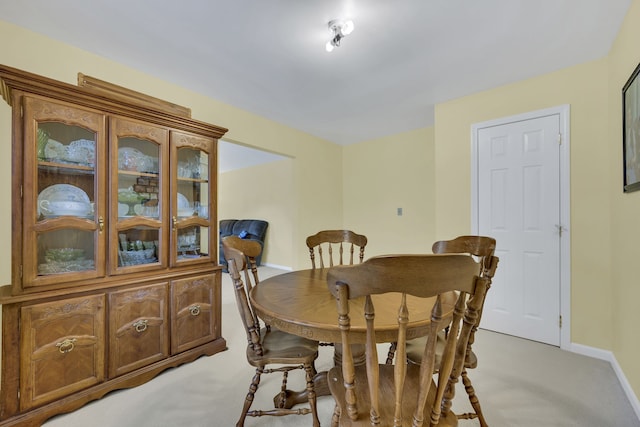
(300, 303)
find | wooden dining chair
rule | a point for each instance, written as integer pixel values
(268, 346)
(326, 241)
(483, 248)
(251, 249)
(404, 394)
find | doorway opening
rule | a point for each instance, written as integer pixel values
(256, 184)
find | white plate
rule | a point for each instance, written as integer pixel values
(123, 209)
(130, 159)
(82, 151)
(183, 202)
(138, 209)
(55, 150)
(63, 192)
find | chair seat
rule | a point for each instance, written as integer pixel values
(415, 348)
(336, 386)
(282, 347)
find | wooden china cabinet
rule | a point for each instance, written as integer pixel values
(114, 247)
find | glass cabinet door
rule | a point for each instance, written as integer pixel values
(139, 154)
(192, 159)
(64, 188)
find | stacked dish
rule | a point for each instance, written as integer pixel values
(184, 207)
(81, 151)
(63, 199)
(64, 254)
(132, 159)
(144, 256)
(65, 260)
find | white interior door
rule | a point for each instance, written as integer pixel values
(519, 204)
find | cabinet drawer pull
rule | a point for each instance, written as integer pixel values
(66, 345)
(141, 325)
(194, 310)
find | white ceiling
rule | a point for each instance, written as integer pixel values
(268, 57)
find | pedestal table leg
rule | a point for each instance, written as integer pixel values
(292, 398)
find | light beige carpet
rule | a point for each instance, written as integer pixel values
(519, 383)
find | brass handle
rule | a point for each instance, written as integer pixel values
(66, 345)
(175, 222)
(100, 223)
(141, 325)
(194, 310)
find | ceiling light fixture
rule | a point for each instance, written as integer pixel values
(338, 29)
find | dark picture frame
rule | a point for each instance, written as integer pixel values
(631, 132)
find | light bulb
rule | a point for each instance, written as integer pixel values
(329, 46)
(347, 28)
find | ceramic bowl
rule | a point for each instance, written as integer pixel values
(64, 254)
(144, 256)
(65, 207)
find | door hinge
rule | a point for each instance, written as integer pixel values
(560, 321)
(21, 271)
(559, 139)
(21, 192)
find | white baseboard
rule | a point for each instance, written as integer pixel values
(279, 267)
(611, 358)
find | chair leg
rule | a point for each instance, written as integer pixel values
(473, 399)
(335, 418)
(310, 373)
(250, 395)
(392, 352)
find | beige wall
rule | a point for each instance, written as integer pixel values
(382, 175)
(263, 192)
(604, 288)
(316, 193)
(625, 231)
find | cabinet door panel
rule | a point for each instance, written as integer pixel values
(139, 195)
(138, 328)
(64, 193)
(195, 319)
(193, 160)
(62, 348)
